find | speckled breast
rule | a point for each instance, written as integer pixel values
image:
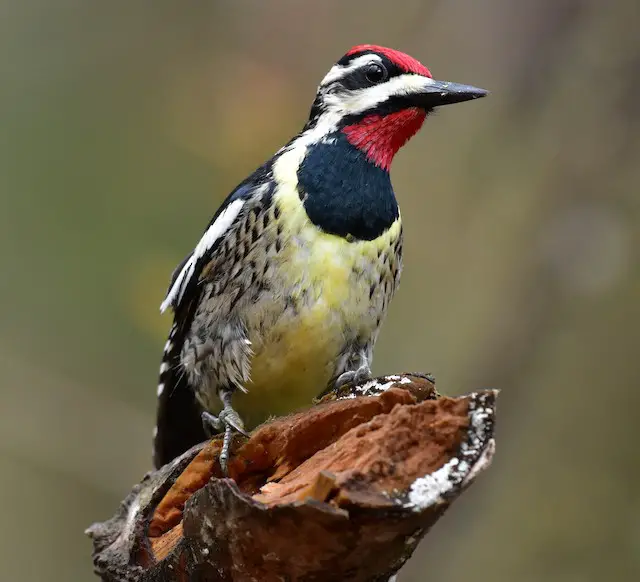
(324, 293)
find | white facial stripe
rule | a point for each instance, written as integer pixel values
(354, 102)
(337, 106)
(212, 234)
(340, 71)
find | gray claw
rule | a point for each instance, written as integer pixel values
(355, 377)
(228, 421)
(212, 424)
(229, 417)
(344, 379)
(363, 374)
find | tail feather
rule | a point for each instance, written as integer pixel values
(179, 423)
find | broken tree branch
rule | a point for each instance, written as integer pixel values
(342, 491)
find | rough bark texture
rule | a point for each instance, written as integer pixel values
(342, 491)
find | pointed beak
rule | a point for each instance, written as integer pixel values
(437, 93)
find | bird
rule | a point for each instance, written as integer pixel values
(291, 279)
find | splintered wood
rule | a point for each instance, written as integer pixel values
(379, 462)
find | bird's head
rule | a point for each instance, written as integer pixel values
(379, 97)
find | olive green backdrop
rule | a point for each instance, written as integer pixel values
(124, 124)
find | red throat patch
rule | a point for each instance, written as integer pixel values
(381, 136)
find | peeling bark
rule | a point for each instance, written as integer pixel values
(342, 491)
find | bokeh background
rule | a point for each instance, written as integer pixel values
(124, 124)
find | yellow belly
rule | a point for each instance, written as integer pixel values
(335, 292)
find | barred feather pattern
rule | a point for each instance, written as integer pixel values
(259, 306)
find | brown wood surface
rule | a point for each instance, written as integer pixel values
(341, 491)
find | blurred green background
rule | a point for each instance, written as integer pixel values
(124, 124)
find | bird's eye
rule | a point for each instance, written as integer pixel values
(376, 73)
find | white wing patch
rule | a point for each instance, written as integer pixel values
(212, 234)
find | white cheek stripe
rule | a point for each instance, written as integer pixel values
(337, 106)
(354, 102)
(212, 234)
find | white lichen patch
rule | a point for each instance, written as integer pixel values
(427, 491)
(375, 387)
(482, 463)
(474, 455)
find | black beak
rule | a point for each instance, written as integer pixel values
(438, 93)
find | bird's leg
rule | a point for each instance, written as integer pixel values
(359, 373)
(228, 420)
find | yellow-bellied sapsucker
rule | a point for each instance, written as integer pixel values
(292, 277)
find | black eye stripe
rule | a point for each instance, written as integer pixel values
(362, 77)
(356, 80)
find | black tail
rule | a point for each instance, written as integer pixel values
(179, 422)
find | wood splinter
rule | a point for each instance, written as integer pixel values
(342, 491)
(319, 490)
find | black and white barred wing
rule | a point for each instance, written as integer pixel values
(187, 275)
(223, 250)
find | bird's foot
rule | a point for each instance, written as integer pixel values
(228, 421)
(355, 377)
(228, 417)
